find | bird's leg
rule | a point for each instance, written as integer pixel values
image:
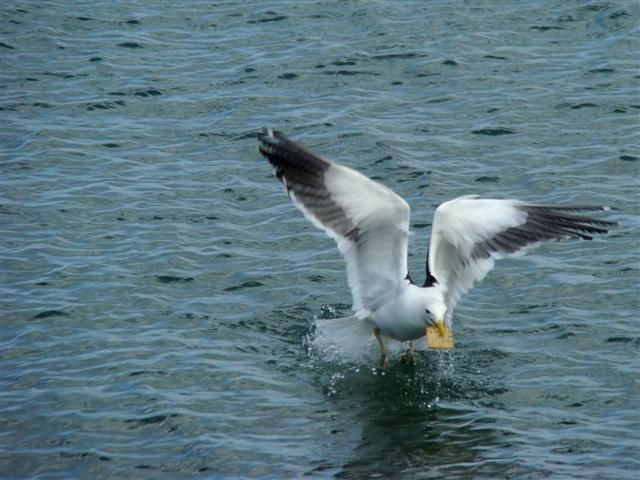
(409, 357)
(383, 350)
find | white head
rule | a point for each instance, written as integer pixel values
(435, 307)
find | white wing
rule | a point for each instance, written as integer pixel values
(369, 222)
(469, 233)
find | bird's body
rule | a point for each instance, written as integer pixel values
(403, 316)
(370, 224)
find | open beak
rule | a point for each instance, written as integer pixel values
(440, 326)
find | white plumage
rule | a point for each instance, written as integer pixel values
(370, 224)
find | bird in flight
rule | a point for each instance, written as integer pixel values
(370, 224)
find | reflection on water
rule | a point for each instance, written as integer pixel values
(432, 419)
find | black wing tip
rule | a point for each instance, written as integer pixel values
(569, 208)
(561, 222)
(558, 211)
(288, 155)
(269, 135)
(271, 142)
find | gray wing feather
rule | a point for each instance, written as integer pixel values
(369, 222)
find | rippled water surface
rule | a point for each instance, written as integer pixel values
(158, 288)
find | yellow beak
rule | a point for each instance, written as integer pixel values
(440, 326)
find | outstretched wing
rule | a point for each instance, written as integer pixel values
(369, 222)
(469, 233)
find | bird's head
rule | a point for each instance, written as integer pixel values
(436, 312)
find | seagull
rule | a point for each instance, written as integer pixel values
(370, 224)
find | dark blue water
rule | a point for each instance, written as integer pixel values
(158, 289)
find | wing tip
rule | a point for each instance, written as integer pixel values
(556, 211)
(269, 135)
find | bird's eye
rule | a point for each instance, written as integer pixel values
(428, 311)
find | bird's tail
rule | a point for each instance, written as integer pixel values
(343, 339)
(349, 339)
